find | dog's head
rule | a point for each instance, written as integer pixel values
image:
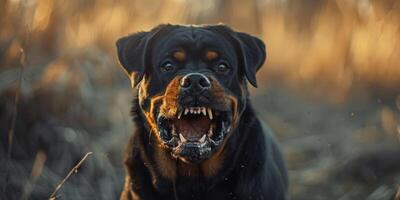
(192, 87)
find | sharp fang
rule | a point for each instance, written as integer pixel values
(180, 114)
(203, 110)
(210, 131)
(203, 139)
(209, 113)
(186, 111)
(182, 138)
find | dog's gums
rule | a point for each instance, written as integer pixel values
(194, 132)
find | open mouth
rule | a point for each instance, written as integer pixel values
(194, 132)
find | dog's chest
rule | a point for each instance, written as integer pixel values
(196, 188)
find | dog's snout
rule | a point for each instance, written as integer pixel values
(195, 82)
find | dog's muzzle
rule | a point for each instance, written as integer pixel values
(200, 122)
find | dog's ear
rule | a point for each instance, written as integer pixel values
(133, 52)
(253, 55)
(251, 50)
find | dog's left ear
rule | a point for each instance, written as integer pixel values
(133, 51)
(251, 50)
(253, 53)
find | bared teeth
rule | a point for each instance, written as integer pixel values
(180, 114)
(203, 110)
(209, 113)
(210, 131)
(202, 139)
(183, 139)
(197, 111)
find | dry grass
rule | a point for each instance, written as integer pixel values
(72, 98)
(54, 195)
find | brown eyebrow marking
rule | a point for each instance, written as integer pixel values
(211, 55)
(179, 55)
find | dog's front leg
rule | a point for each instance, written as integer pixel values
(130, 193)
(138, 185)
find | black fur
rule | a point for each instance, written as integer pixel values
(252, 166)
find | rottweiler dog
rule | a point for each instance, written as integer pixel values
(196, 134)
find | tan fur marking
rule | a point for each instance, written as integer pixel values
(166, 165)
(211, 55)
(187, 169)
(211, 166)
(169, 107)
(179, 55)
(149, 115)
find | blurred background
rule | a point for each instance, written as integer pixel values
(330, 90)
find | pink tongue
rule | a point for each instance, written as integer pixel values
(192, 128)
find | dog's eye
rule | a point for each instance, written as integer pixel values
(167, 66)
(222, 68)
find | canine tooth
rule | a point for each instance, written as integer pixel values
(182, 138)
(191, 110)
(186, 111)
(210, 131)
(180, 113)
(203, 110)
(209, 113)
(203, 139)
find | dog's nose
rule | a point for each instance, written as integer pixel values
(195, 82)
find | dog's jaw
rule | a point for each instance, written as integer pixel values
(191, 133)
(179, 133)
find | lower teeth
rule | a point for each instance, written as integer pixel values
(210, 131)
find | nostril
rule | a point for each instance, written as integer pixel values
(185, 82)
(204, 82)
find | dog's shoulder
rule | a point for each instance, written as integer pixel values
(261, 166)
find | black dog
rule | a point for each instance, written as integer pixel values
(197, 136)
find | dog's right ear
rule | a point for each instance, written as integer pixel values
(133, 51)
